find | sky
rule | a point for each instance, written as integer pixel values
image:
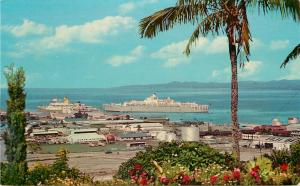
(96, 44)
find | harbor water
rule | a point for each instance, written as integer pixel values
(255, 106)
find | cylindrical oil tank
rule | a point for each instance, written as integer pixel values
(171, 137)
(293, 120)
(161, 136)
(190, 133)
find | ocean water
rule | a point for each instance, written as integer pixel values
(255, 106)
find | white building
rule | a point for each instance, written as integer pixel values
(85, 138)
(42, 132)
(275, 142)
(85, 135)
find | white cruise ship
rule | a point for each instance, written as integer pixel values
(153, 104)
(65, 106)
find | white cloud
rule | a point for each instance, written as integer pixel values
(256, 43)
(250, 69)
(96, 31)
(119, 60)
(293, 69)
(218, 45)
(126, 7)
(173, 55)
(279, 44)
(90, 32)
(130, 6)
(26, 28)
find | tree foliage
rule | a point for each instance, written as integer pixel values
(15, 172)
(292, 55)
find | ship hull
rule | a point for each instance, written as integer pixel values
(167, 109)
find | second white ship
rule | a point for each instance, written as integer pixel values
(153, 104)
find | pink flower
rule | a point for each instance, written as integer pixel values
(144, 174)
(254, 173)
(236, 173)
(135, 178)
(185, 179)
(164, 180)
(137, 167)
(213, 179)
(284, 167)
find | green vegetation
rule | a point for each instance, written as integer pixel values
(187, 154)
(215, 17)
(59, 173)
(291, 56)
(197, 164)
(14, 172)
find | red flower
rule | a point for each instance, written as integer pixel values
(185, 179)
(131, 172)
(254, 173)
(143, 181)
(164, 180)
(257, 179)
(236, 173)
(255, 169)
(144, 174)
(284, 167)
(137, 167)
(213, 179)
(226, 178)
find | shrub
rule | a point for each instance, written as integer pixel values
(187, 154)
(295, 155)
(58, 173)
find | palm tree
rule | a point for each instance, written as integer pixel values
(293, 55)
(215, 17)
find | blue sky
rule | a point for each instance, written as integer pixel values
(92, 43)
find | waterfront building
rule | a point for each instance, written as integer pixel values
(134, 136)
(37, 132)
(86, 138)
(274, 142)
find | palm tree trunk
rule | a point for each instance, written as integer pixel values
(234, 93)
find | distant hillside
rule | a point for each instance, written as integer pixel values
(245, 85)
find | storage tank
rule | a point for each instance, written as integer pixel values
(276, 122)
(190, 133)
(293, 120)
(171, 137)
(161, 136)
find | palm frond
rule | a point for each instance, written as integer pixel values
(293, 55)
(185, 11)
(287, 8)
(213, 23)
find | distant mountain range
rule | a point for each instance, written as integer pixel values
(245, 85)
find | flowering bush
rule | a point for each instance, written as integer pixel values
(188, 154)
(256, 172)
